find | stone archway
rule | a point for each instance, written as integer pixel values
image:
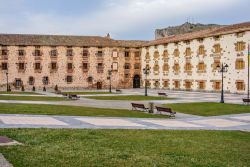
(137, 81)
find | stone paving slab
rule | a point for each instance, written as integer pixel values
(172, 123)
(78, 122)
(22, 120)
(108, 122)
(219, 122)
(245, 118)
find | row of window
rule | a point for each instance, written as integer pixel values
(201, 85)
(69, 52)
(70, 66)
(239, 46)
(201, 67)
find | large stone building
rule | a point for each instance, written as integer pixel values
(181, 62)
(68, 62)
(189, 61)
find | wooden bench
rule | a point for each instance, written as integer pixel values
(167, 110)
(246, 101)
(118, 91)
(162, 94)
(136, 106)
(73, 97)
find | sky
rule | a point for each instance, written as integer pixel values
(123, 19)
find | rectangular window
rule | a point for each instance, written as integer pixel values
(69, 52)
(37, 52)
(188, 84)
(53, 52)
(176, 67)
(176, 84)
(127, 66)
(69, 79)
(21, 66)
(217, 48)
(126, 54)
(240, 85)
(137, 55)
(137, 66)
(115, 66)
(45, 80)
(70, 66)
(240, 46)
(53, 66)
(217, 85)
(201, 67)
(31, 80)
(115, 54)
(188, 67)
(4, 66)
(188, 52)
(240, 64)
(85, 66)
(21, 52)
(176, 53)
(4, 52)
(166, 84)
(37, 66)
(85, 53)
(201, 50)
(201, 85)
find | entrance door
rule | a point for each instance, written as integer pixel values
(99, 85)
(136, 81)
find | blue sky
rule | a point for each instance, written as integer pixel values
(123, 19)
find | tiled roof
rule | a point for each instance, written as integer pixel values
(202, 34)
(95, 41)
(61, 40)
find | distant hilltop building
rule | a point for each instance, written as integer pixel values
(186, 61)
(184, 28)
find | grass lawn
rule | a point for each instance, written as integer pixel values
(32, 98)
(19, 93)
(42, 109)
(129, 98)
(126, 148)
(86, 93)
(209, 109)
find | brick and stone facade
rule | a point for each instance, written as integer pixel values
(69, 67)
(182, 62)
(188, 62)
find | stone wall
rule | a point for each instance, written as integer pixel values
(228, 55)
(58, 77)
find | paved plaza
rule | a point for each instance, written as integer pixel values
(182, 121)
(227, 122)
(179, 97)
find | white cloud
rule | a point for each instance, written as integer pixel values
(116, 17)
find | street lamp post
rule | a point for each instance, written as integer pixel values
(7, 80)
(223, 68)
(110, 86)
(146, 72)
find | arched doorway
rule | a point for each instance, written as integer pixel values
(99, 85)
(136, 81)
